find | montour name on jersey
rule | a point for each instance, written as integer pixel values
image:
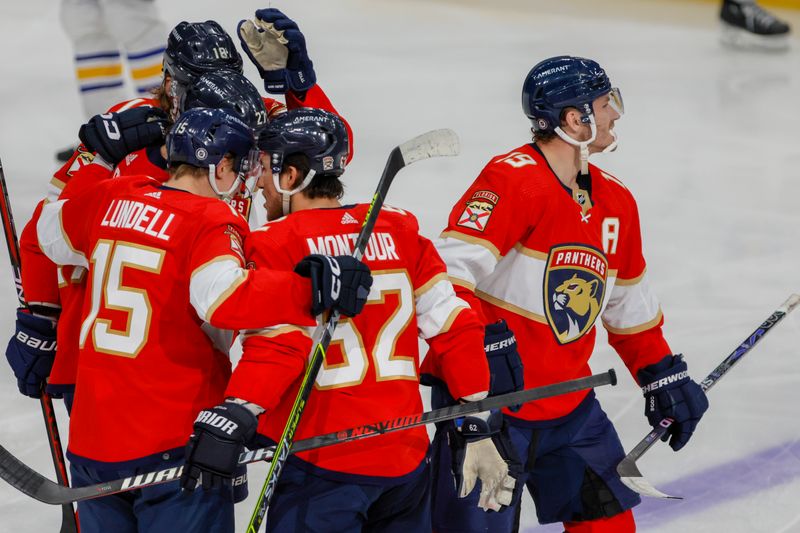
(380, 246)
(138, 216)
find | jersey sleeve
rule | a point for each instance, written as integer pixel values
(229, 296)
(450, 327)
(39, 274)
(272, 358)
(482, 227)
(633, 316)
(315, 97)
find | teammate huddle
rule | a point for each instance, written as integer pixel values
(145, 277)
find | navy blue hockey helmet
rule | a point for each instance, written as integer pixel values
(194, 48)
(229, 90)
(202, 137)
(561, 82)
(318, 134)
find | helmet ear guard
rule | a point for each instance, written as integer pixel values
(319, 135)
(204, 137)
(562, 82)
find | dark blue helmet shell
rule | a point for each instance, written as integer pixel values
(202, 137)
(194, 48)
(229, 90)
(318, 134)
(558, 83)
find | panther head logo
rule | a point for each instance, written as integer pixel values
(574, 285)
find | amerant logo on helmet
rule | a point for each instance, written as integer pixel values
(201, 154)
(560, 68)
(542, 123)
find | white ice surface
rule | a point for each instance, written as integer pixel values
(708, 146)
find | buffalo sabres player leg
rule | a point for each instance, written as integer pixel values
(106, 34)
(542, 218)
(746, 24)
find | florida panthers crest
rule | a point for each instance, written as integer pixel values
(574, 285)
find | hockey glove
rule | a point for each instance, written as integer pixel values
(669, 392)
(218, 438)
(300, 75)
(114, 135)
(265, 45)
(505, 365)
(339, 283)
(31, 352)
(481, 450)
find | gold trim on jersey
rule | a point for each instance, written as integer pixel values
(462, 283)
(635, 329)
(274, 332)
(530, 252)
(469, 239)
(451, 318)
(428, 285)
(510, 307)
(632, 281)
(65, 237)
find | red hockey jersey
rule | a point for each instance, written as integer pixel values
(371, 369)
(519, 246)
(62, 288)
(160, 262)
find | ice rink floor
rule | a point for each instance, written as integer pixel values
(709, 146)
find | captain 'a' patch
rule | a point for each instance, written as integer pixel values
(478, 210)
(574, 284)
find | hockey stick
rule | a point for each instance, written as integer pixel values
(627, 469)
(35, 485)
(434, 143)
(68, 521)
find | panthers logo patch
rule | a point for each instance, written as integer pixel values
(574, 285)
(478, 210)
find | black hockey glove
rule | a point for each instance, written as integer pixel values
(219, 437)
(669, 392)
(114, 135)
(31, 352)
(339, 283)
(481, 449)
(505, 365)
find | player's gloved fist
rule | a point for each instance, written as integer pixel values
(669, 392)
(114, 135)
(265, 45)
(339, 283)
(300, 75)
(218, 438)
(31, 351)
(505, 365)
(480, 450)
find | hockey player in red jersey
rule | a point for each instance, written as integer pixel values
(201, 69)
(163, 260)
(371, 369)
(550, 243)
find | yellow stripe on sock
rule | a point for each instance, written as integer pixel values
(98, 72)
(146, 72)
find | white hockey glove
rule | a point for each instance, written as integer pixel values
(476, 456)
(266, 47)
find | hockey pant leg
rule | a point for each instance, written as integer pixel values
(138, 28)
(98, 66)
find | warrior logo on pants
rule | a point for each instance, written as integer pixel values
(574, 285)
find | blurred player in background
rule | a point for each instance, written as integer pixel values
(549, 243)
(109, 39)
(745, 24)
(162, 260)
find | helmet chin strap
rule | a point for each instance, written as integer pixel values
(287, 195)
(212, 180)
(613, 146)
(583, 146)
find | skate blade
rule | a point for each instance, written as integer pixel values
(740, 39)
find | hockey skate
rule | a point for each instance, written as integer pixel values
(747, 25)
